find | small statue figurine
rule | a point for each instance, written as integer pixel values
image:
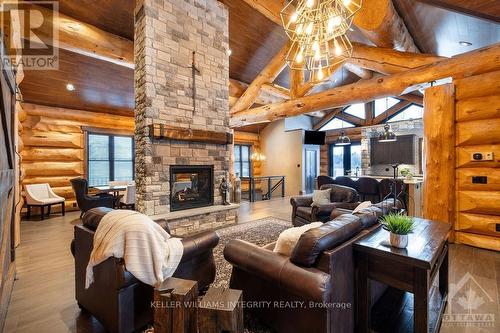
(224, 189)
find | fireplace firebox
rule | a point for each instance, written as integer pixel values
(191, 186)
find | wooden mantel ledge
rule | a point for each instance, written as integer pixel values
(193, 212)
(167, 132)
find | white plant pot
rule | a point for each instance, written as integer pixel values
(399, 241)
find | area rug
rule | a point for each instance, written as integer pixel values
(260, 232)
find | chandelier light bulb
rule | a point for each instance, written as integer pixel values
(338, 49)
(309, 28)
(320, 75)
(294, 17)
(317, 55)
(299, 58)
(310, 3)
(347, 2)
(300, 29)
(315, 45)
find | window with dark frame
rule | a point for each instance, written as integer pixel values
(345, 158)
(242, 161)
(110, 157)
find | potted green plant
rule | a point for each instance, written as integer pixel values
(406, 172)
(399, 226)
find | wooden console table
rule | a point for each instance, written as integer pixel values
(411, 270)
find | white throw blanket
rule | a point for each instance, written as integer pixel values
(149, 252)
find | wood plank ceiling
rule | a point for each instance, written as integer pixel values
(436, 25)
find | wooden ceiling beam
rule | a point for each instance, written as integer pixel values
(471, 63)
(86, 39)
(388, 61)
(267, 95)
(267, 75)
(277, 90)
(379, 21)
(327, 118)
(361, 72)
(415, 99)
(351, 119)
(393, 110)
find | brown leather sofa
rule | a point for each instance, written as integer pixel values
(116, 298)
(313, 290)
(340, 197)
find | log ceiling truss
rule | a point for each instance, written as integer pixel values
(395, 52)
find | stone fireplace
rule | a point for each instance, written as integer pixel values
(167, 32)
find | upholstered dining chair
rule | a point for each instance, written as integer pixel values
(41, 195)
(85, 201)
(128, 199)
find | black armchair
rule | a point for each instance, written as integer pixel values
(85, 201)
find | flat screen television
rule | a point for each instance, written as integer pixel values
(314, 137)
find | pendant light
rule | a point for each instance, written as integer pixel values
(342, 140)
(387, 135)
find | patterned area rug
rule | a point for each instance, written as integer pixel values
(259, 232)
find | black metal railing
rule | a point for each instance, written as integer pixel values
(264, 185)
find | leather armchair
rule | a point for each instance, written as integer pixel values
(116, 298)
(85, 201)
(340, 197)
(318, 277)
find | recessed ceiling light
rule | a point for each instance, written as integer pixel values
(464, 43)
(229, 52)
(70, 87)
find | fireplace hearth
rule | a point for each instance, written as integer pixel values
(191, 186)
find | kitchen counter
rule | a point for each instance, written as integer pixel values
(415, 180)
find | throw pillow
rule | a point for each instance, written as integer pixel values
(362, 206)
(321, 197)
(289, 237)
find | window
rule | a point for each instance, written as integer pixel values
(381, 105)
(411, 112)
(336, 123)
(242, 164)
(345, 159)
(357, 110)
(110, 158)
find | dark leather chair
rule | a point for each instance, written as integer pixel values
(85, 201)
(345, 181)
(340, 197)
(116, 298)
(368, 189)
(325, 180)
(320, 273)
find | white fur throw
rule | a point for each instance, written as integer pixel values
(150, 254)
(361, 206)
(289, 237)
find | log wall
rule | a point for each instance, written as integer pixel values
(53, 145)
(478, 131)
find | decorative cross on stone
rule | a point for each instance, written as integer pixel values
(194, 71)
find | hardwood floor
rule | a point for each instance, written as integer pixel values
(43, 295)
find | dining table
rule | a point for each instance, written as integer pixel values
(112, 189)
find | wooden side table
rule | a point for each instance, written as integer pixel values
(221, 310)
(175, 303)
(411, 270)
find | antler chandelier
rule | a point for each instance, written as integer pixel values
(317, 30)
